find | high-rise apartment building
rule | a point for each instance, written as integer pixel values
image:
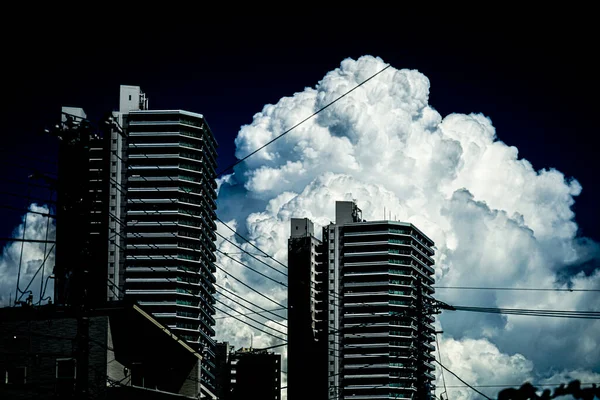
(139, 205)
(170, 213)
(307, 356)
(82, 235)
(376, 276)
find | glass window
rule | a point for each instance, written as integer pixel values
(66, 368)
(16, 375)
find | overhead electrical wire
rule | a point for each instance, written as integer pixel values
(262, 309)
(460, 379)
(534, 313)
(516, 289)
(251, 319)
(301, 122)
(250, 254)
(251, 244)
(440, 357)
(255, 312)
(244, 322)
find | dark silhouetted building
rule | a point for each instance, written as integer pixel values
(129, 355)
(248, 374)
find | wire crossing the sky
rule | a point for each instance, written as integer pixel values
(301, 122)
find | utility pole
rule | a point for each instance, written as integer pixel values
(82, 353)
(74, 205)
(422, 392)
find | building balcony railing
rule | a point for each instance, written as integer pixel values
(366, 283)
(373, 243)
(382, 396)
(178, 328)
(369, 304)
(366, 335)
(366, 366)
(365, 314)
(384, 353)
(366, 233)
(366, 253)
(423, 254)
(362, 376)
(149, 280)
(165, 315)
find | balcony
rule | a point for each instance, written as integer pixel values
(361, 284)
(362, 376)
(373, 233)
(423, 254)
(149, 280)
(360, 244)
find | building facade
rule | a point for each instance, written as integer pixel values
(307, 355)
(255, 374)
(170, 214)
(123, 353)
(82, 193)
(378, 277)
(138, 205)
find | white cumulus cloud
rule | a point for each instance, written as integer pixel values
(495, 219)
(30, 256)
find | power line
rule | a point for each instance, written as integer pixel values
(301, 122)
(460, 379)
(250, 254)
(251, 319)
(534, 313)
(251, 244)
(254, 312)
(249, 309)
(516, 385)
(27, 211)
(258, 329)
(516, 289)
(18, 195)
(440, 356)
(252, 269)
(249, 287)
(6, 239)
(255, 305)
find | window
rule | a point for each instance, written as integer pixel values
(113, 196)
(15, 376)
(137, 377)
(129, 97)
(66, 369)
(111, 276)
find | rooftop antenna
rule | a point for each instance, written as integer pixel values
(383, 212)
(251, 340)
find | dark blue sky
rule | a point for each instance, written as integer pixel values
(537, 81)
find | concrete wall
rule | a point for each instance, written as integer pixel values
(38, 344)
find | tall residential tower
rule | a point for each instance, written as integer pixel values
(377, 277)
(138, 209)
(170, 213)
